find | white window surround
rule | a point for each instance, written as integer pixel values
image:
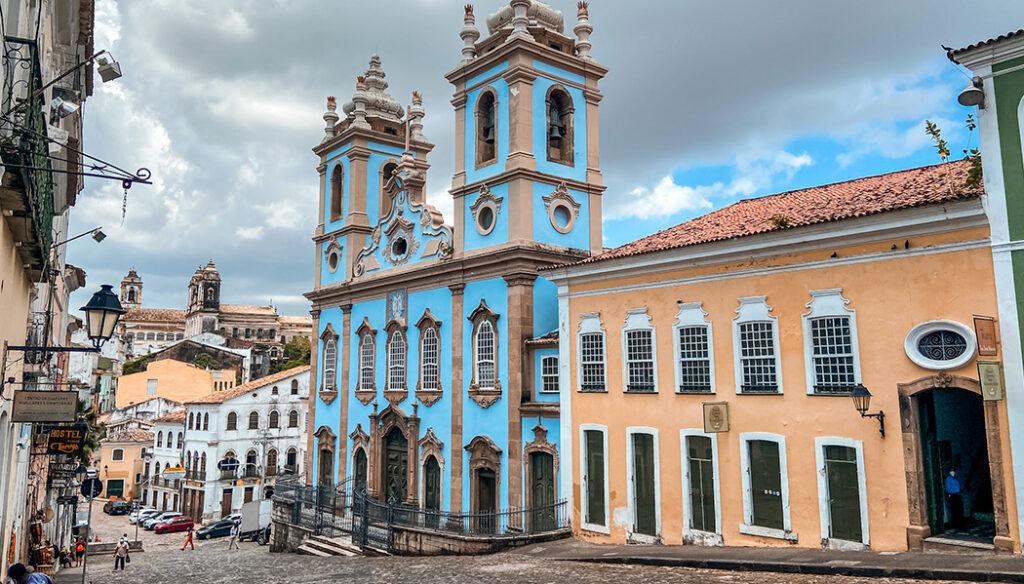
(638, 319)
(823, 507)
(925, 328)
(755, 309)
(630, 491)
(548, 370)
(590, 323)
(826, 303)
(595, 527)
(747, 526)
(690, 535)
(692, 314)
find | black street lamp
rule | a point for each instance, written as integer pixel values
(862, 401)
(101, 315)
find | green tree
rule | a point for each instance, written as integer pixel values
(136, 365)
(205, 361)
(296, 354)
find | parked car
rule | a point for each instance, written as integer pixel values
(179, 523)
(154, 519)
(218, 529)
(116, 508)
(141, 514)
(236, 517)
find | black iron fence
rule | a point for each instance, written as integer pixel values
(344, 510)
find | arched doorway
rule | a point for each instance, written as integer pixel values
(432, 489)
(542, 491)
(396, 466)
(360, 466)
(325, 477)
(947, 426)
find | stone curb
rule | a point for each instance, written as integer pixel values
(738, 565)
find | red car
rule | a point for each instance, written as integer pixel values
(174, 524)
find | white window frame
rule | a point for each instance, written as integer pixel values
(747, 527)
(755, 309)
(365, 341)
(397, 336)
(638, 319)
(584, 479)
(823, 507)
(543, 359)
(330, 364)
(435, 362)
(925, 328)
(477, 360)
(825, 304)
(114, 452)
(630, 490)
(590, 323)
(691, 314)
(691, 535)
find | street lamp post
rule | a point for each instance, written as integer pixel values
(90, 488)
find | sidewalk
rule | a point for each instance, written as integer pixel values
(69, 576)
(974, 567)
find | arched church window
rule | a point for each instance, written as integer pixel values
(330, 363)
(366, 351)
(559, 126)
(131, 295)
(337, 191)
(485, 386)
(485, 353)
(486, 128)
(209, 293)
(396, 358)
(293, 419)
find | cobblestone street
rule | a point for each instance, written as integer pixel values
(163, 562)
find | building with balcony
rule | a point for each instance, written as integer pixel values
(238, 442)
(168, 452)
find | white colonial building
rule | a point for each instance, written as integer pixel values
(239, 441)
(168, 443)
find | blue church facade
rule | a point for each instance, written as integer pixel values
(436, 367)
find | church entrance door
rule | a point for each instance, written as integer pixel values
(396, 467)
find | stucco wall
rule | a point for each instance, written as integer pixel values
(175, 380)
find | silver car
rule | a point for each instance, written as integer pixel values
(151, 522)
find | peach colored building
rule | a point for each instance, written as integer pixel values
(172, 380)
(707, 372)
(121, 462)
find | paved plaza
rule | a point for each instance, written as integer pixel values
(163, 562)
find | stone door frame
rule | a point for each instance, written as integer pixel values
(918, 529)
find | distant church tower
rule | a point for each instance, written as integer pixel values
(203, 301)
(131, 290)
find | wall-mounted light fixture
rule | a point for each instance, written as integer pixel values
(862, 401)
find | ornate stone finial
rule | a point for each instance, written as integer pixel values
(375, 406)
(358, 105)
(583, 30)
(330, 118)
(416, 118)
(469, 35)
(415, 407)
(370, 89)
(520, 20)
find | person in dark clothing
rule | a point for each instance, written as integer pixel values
(954, 499)
(20, 574)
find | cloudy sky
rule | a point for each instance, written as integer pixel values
(705, 103)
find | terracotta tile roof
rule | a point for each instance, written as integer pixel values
(833, 202)
(295, 320)
(178, 416)
(952, 53)
(130, 435)
(155, 315)
(220, 396)
(246, 309)
(550, 338)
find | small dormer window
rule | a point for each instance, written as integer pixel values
(486, 128)
(560, 126)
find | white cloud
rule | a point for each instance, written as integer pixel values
(249, 232)
(283, 215)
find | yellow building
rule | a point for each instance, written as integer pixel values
(172, 380)
(121, 462)
(707, 374)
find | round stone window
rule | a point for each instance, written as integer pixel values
(562, 217)
(332, 261)
(399, 248)
(485, 218)
(940, 344)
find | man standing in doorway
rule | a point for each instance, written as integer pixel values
(954, 499)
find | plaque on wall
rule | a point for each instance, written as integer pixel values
(716, 417)
(991, 375)
(985, 330)
(396, 307)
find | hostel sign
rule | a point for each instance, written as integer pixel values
(65, 439)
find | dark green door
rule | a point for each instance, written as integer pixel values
(326, 462)
(595, 476)
(542, 491)
(396, 467)
(702, 483)
(843, 493)
(643, 485)
(487, 501)
(432, 490)
(766, 484)
(360, 472)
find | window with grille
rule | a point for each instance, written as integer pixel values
(549, 374)
(694, 360)
(485, 369)
(293, 419)
(757, 357)
(254, 421)
(366, 350)
(832, 355)
(330, 364)
(592, 362)
(232, 423)
(639, 360)
(429, 360)
(396, 361)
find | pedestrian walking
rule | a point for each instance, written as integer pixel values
(79, 551)
(21, 574)
(234, 536)
(188, 540)
(65, 557)
(120, 554)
